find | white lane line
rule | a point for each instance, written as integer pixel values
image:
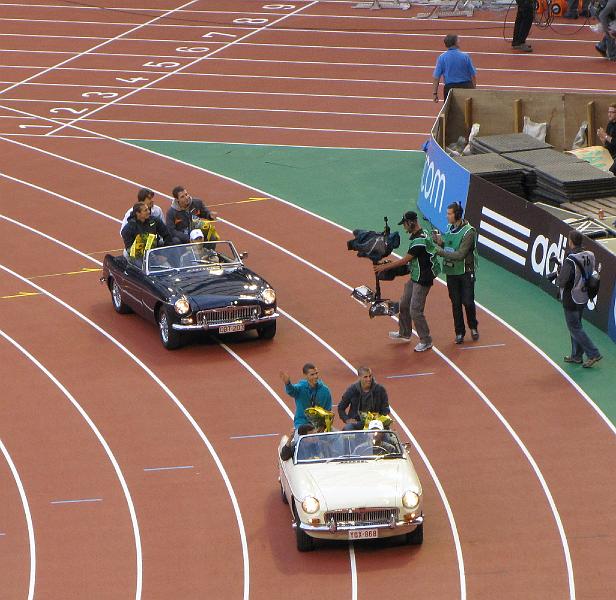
(80, 501)
(482, 346)
(102, 441)
(372, 17)
(28, 515)
(408, 375)
(171, 395)
(256, 435)
(228, 125)
(353, 571)
(182, 67)
(85, 137)
(160, 383)
(290, 414)
(89, 37)
(221, 108)
(80, 54)
(384, 65)
(179, 468)
(264, 145)
(2, 534)
(424, 457)
(415, 50)
(351, 32)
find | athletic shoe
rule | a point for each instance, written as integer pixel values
(585, 13)
(395, 335)
(591, 361)
(474, 335)
(573, 359)
(421, 347)
(459, 339)
(522, 47)
(570, 15)
(600, 50)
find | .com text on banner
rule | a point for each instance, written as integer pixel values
(443, 181)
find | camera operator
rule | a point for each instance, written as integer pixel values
(458, 248)
(572, 283)
(424, 267)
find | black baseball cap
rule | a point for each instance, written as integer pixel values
(409, 215)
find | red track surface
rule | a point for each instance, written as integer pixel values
(495, 443)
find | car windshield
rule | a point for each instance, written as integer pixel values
(347, 445)
(189, 256)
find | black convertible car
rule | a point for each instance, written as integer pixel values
(192, 287)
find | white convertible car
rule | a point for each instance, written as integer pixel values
(351, 485)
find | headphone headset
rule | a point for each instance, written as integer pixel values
(458, 211)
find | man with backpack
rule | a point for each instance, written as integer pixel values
(575, 281)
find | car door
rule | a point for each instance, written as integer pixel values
(132, 287)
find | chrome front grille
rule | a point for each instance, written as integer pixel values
(228, 314)
(362, 516)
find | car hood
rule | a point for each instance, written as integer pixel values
(359, 484)
(210, 288)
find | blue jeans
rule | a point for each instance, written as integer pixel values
(580, 342)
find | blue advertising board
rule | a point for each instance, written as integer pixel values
(611, 323)
(443, 182)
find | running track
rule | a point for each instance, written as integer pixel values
(176, 498)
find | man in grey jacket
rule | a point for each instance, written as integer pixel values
(185, 214)
(365, 395)
(577, 266)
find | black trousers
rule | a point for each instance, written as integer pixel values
(462, 293)
(463, 84)
(523, 21)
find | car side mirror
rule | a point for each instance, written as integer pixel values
(243, 255)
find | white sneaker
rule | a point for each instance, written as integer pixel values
(395, 335)
(421, 347)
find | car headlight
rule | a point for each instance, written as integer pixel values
(182, 306)
(410, 499)
(268, 295)
(310, 505)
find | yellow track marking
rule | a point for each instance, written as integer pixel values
(240, 202)
(26, 294)
(20, 295)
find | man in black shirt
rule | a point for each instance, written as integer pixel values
(608, 135)
(142, 232)
(424, 267)
(365, 395)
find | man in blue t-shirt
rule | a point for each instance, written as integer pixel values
(455, 67)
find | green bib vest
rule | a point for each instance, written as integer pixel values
(452, 243)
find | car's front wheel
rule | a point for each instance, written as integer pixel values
(170, 338)
(267, 332)
(304, 542)
(116, 298)
(415, 538)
